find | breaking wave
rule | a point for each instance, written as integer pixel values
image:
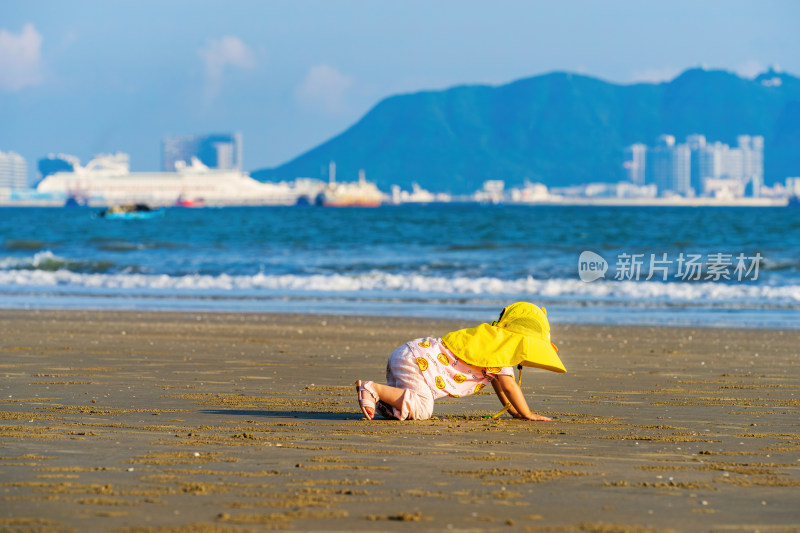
(52, 272)
(46, 261)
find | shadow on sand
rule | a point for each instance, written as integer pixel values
(304, 415)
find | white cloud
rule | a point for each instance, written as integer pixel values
(655, 75)
(20, 58)
(324, 89)
(221, 54)
(750, 69)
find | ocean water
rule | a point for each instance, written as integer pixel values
(706, 266)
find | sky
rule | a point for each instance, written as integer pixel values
(85, 77)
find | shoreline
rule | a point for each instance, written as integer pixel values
(593, 313)
(699, 201)
(223, 422)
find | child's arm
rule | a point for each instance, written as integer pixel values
(507, 390)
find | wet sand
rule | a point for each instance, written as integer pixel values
(178, 422)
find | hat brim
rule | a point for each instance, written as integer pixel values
(541, 354)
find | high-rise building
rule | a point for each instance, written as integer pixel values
(752, 161)
(743, 164)
(222, 151)
(635, 163)
(669, 167)
(695, 141)
(793, 187)
(659, 163)
(682, 170)
(13, 171)
(697, 147)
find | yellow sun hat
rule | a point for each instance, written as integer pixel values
(521, 336)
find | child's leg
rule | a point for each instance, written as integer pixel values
(383, 398)
(391, 395)
(406, 395)
(392, 402)
(415, 400)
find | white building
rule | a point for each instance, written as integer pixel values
(697, 166)
(491, 193)
(723, 188)
(635, 163)
(533, 193)
(13, 171)
(752, 149)
(793, 187)
(743, 164)
(669, 167)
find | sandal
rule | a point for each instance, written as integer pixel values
(366, 398)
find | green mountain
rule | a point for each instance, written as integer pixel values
(558, 129)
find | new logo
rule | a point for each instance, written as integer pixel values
(591, 266)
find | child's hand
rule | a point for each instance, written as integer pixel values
(508, 391)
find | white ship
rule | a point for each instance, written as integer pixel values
(418, 195)
(107, 180)
(491, 193)
(534, 193)
(361, 193)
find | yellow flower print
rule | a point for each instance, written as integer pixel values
(494, 370)
(443, 359)
(424, 344)
(439, 382)
(478, 387)
(459, 378)
(455, 396)
(423, 363)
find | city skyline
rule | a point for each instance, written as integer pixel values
(695, 168)
(80, 78)
(698, 166)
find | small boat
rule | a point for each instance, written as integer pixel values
(130, 212)
(361, 193)
(183, 201)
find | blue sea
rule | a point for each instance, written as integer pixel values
(735, 267)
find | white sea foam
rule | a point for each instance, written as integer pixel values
(406, 286)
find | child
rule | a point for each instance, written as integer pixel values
(462, 363)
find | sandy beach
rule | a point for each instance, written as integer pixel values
(179, 422)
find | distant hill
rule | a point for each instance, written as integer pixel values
(558, 129)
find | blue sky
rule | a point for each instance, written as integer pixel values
(84, 77)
